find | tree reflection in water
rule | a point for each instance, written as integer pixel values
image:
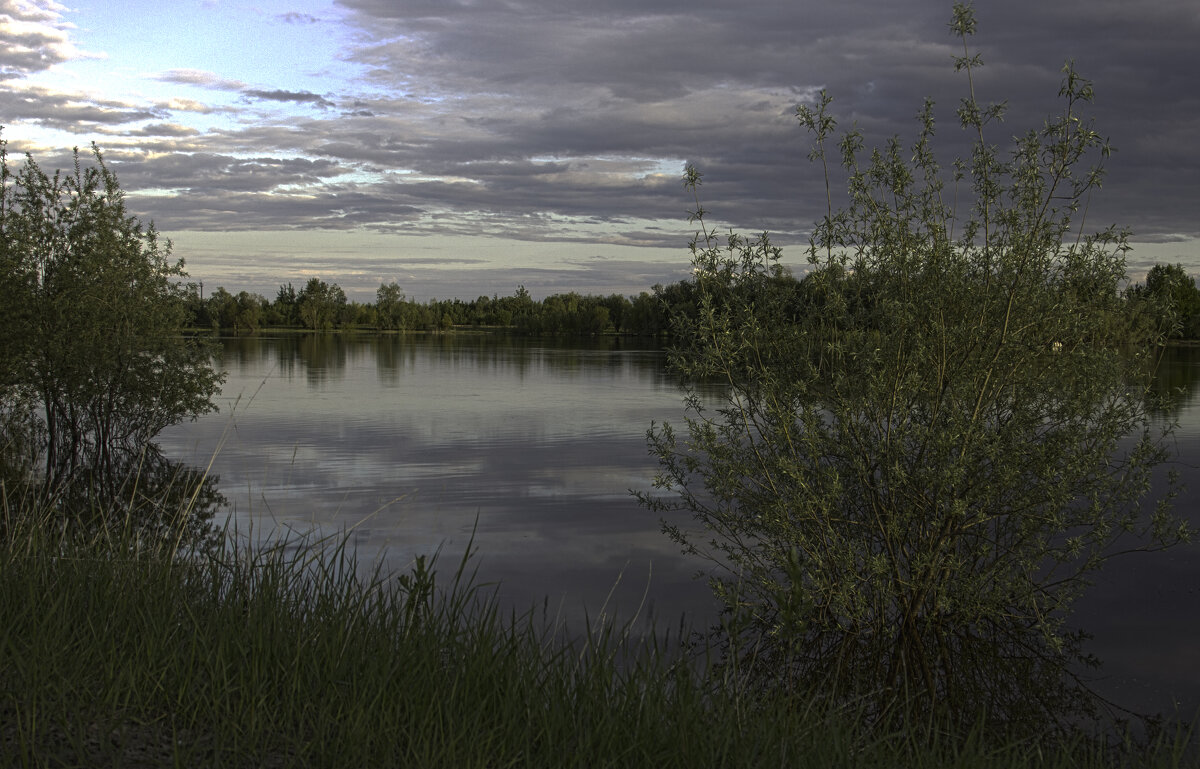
(154, 499)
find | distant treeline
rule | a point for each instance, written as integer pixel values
(1169, 294)
(321, 306)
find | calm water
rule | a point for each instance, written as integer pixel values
(415, 441)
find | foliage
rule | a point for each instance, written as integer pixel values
(244, 312)
(286, 307)
(1177, 294)
(388, 307)
(320, 305)
(323, 306)
(930, 442)
(95, 365)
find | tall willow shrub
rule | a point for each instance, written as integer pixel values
(931, 441)
(93, 362)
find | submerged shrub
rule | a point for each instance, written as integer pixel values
(928, 443)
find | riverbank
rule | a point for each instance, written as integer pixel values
(120, 652)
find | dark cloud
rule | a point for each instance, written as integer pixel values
(293, 17)
(299, 97)
(165, 129)
(212, 81)
(76, 113)
(542, 121)
(220, 173)
(251, 211)
(678, 80)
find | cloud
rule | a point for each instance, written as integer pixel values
(186, 105)
(543, 121)
(293, 17)
(697, 81)
(299, 97)
(165, 129)
(34, 36)
(212, 81)
(201, 79)
(442, 267)
(75, 112)
(212, 173)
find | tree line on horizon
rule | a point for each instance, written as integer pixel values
(322, 306)
(1168, 293)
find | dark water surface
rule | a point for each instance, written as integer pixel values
(414, 441)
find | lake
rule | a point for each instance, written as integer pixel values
(414, 442)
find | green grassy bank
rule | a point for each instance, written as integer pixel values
(115, 652)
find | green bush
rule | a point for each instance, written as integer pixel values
(92, 362)
(930, 442)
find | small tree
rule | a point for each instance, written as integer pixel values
(929, 443)
(320, 305)
(1176, 292)
(90, 333)
(389, 306)
(286, 306)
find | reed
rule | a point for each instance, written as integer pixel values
(120, 651)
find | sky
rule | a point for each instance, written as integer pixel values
(465, 147)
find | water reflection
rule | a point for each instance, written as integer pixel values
(412, 440)
(161, 499)
(1178, 378)
(325, 357)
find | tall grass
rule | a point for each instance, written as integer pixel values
(117, 651)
